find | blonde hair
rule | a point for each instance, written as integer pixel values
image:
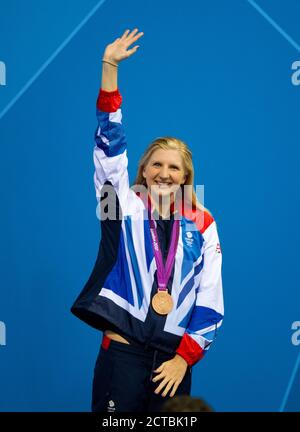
(171, 143)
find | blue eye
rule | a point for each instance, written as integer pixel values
(173, 167)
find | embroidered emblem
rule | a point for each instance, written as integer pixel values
(189, 238)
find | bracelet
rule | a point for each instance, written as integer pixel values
(113, 64)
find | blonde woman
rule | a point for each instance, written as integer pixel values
(156, 288)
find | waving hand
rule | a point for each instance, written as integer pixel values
(118, 50)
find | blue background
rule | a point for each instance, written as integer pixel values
(215, 74)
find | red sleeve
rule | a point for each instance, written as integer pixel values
(190, 350)
(109, 101)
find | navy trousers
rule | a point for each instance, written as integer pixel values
(123, 378)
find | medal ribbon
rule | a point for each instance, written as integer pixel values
(164, 272)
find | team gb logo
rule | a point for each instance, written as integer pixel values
(189, 238)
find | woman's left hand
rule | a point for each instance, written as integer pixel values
(171, 372)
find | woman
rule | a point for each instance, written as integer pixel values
(156, 289)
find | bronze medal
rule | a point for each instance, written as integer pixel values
(162, 302)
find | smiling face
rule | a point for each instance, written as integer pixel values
(164, 172)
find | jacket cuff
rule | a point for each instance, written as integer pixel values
(109, 101)
(190, 350)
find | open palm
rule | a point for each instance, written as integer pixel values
(118, 50)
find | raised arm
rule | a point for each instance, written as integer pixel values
(110, 151)
(114, 54)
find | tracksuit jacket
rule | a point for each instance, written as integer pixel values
(123, 281)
